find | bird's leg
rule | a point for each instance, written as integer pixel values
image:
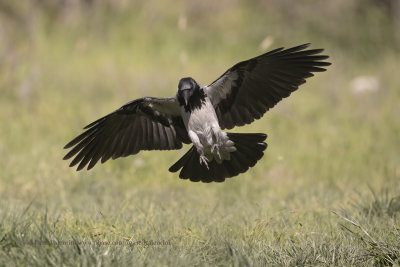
(203, 160)
(200, 149)
(215, 147)
(217, 141)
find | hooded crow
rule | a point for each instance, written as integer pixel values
(198, 114)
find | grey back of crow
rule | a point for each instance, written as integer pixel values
(198, 114)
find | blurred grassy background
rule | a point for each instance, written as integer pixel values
(333, 145)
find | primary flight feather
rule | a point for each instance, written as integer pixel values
(198, 114)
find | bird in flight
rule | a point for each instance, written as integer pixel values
(198, 114)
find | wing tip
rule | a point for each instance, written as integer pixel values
(304, 46)
(79, 169)
(67, 146)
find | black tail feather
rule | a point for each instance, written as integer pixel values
(249, 149)
(182, 161)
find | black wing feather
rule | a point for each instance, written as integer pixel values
(143, 124)
(250, 88)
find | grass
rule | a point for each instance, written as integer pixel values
(326, 192)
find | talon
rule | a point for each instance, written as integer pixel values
(215, 147)
(203, 161)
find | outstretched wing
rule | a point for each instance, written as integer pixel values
(143, 124)
(250, 88)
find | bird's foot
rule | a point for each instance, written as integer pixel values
(204, 161)
(215, 148)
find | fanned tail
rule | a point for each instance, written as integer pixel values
(249, 149)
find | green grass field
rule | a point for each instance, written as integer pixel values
(326, 192)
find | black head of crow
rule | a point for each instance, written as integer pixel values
(190, 96)
(198, 114)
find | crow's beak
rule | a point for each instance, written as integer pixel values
(186, 96)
